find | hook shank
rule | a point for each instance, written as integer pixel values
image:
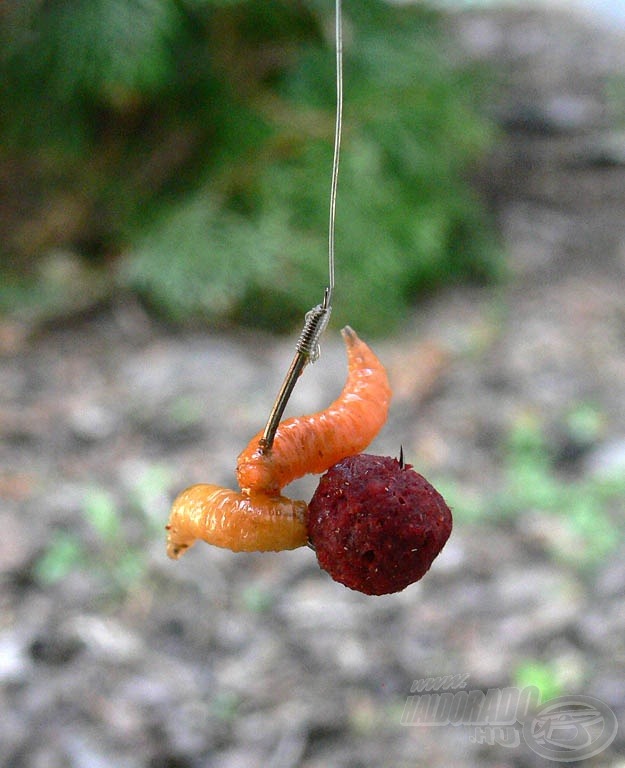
(306, 349)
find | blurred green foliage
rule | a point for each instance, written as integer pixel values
(185, 146)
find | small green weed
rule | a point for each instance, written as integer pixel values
(113, 547)
(225, 705)
(543, 676)
(579, 507)
(256, 598)
(64, 554)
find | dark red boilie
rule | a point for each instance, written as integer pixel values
(376, 524)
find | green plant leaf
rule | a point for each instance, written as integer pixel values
(63, 555)
(540, 674)
(101, 511)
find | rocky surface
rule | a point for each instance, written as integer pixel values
(112, 655)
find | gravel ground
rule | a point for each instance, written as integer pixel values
(112, 655)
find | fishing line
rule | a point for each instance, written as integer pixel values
(316, 320)
(338, 35)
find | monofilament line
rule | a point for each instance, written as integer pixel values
(307, 348)
(337, 149)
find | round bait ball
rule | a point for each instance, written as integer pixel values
(376, 524)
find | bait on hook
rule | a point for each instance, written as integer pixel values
(259, 518)
(374, 523)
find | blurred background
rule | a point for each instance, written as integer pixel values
(181, 151)
(164, 191)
